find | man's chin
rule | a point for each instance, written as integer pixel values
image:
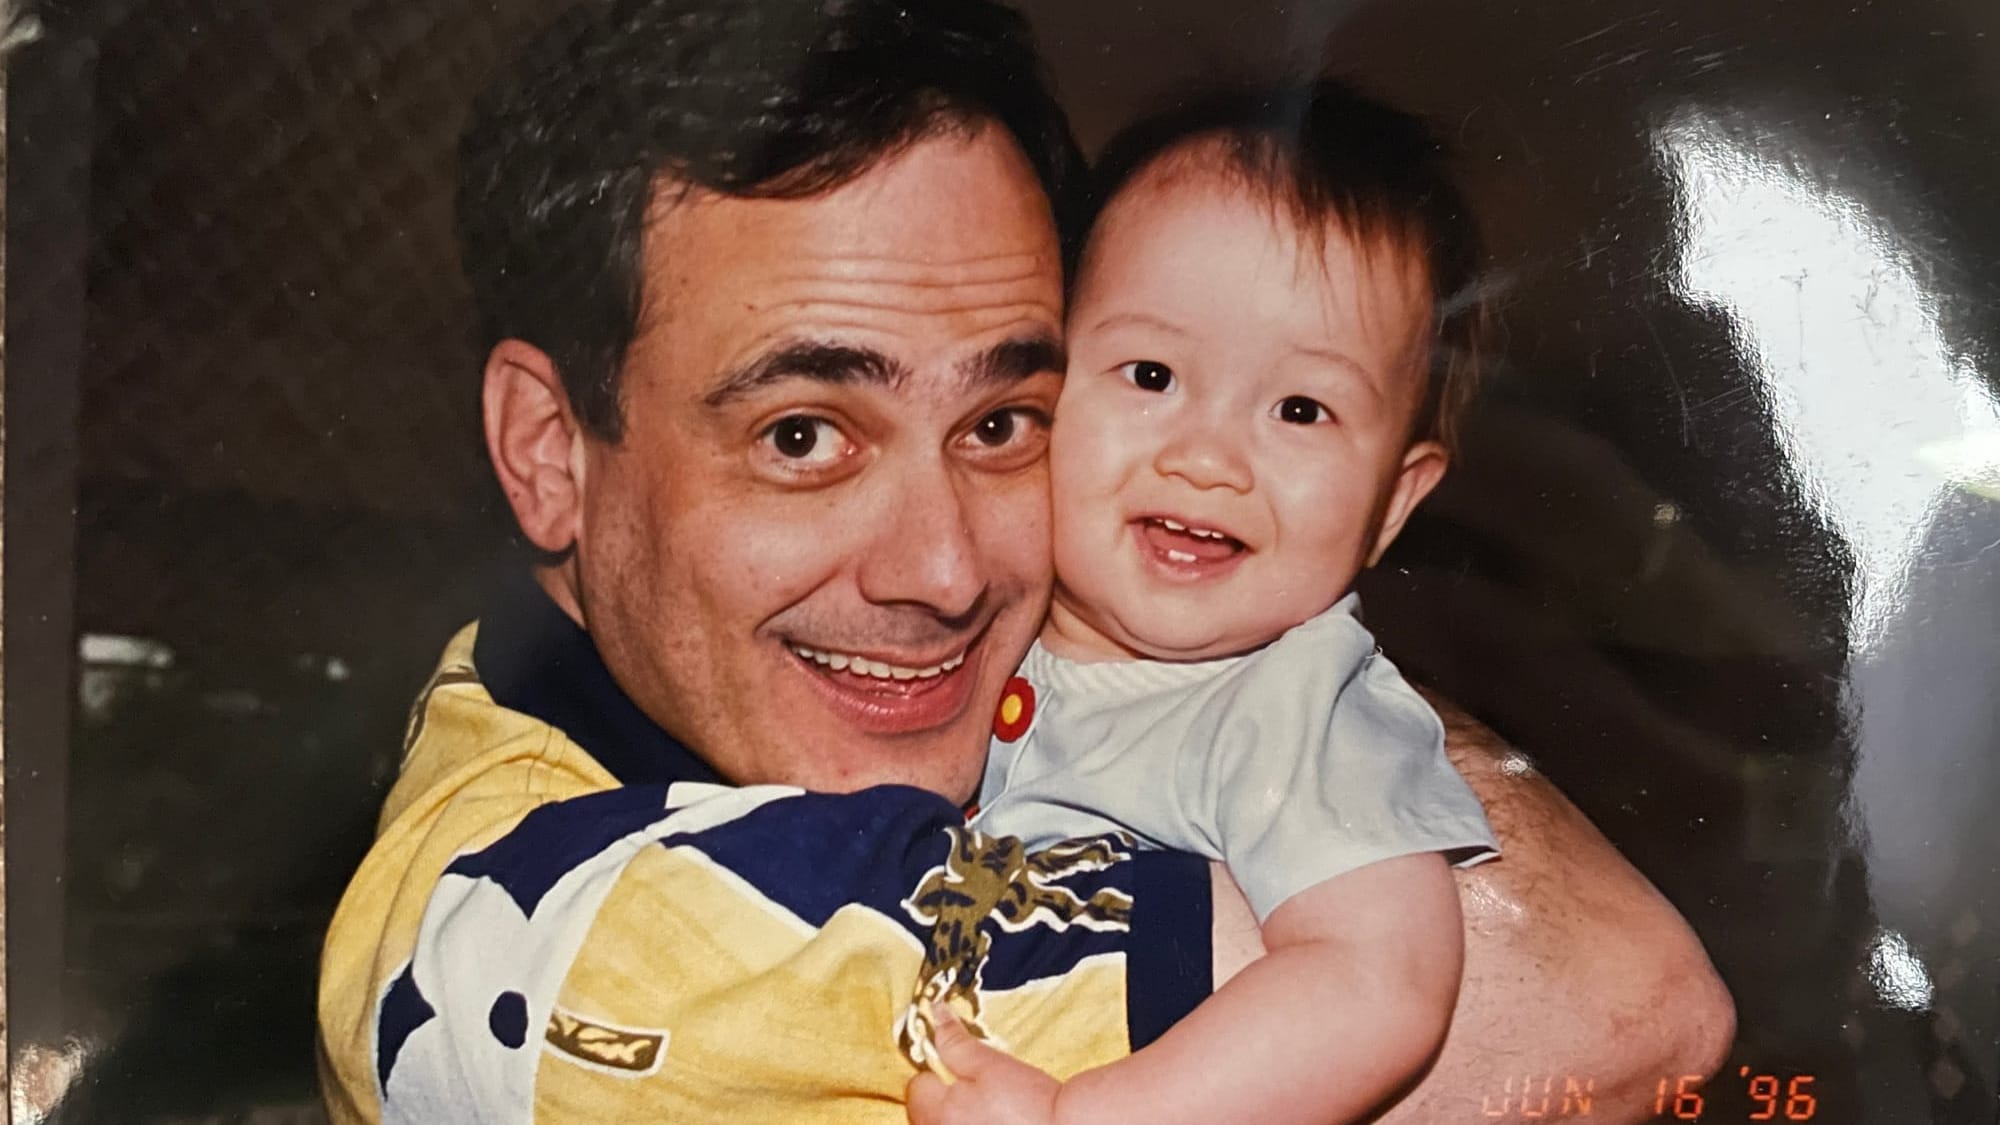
(849, 736)
(958, 786)
(947, 763)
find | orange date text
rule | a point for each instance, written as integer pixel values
(1685, 1097)
(1535, 1096)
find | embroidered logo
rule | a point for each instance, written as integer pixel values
(601, 1046)
(414, 729)
(995, 877)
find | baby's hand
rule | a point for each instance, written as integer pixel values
(992, 1087)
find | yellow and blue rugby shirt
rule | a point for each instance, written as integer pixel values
(566, 916)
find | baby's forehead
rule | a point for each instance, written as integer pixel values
(1381, 270)
(1198, 176)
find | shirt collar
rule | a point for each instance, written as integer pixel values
(533, 659)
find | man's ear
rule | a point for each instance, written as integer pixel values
(535, 443)
(1423, 467)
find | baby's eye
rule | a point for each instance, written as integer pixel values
(1149, 376)
(1301, 411)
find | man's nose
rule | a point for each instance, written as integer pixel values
(1207, 453)
(927, 554)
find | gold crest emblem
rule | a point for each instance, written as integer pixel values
(996, 877)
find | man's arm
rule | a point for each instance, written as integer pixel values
(1574, 964)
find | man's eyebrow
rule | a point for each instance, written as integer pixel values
(1014, 360)
(815, 360)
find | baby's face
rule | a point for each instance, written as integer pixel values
(1232, 443)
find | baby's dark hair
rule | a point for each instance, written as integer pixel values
(1336, 158)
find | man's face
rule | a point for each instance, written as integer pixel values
(822, 544)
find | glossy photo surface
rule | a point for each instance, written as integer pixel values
(1720, 555)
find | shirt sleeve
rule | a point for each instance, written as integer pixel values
(1314, 757)
(1170, 966)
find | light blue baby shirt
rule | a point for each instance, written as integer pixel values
(1297, 762)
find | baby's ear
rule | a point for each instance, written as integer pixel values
(1423, 467)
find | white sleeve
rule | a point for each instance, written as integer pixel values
(1314, 757)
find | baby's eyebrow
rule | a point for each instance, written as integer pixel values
(1338, 358)
(1138, 320)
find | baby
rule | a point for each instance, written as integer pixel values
(1270, 341)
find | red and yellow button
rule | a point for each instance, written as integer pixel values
(1017, 710)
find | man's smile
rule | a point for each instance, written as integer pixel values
(859, 665)
(888, 694)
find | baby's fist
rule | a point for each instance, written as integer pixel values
(992, 1088)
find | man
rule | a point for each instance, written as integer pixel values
(773, 292)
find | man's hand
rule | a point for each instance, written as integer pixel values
(991, 1087)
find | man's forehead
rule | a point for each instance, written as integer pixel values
(914, 317)
(968, 203)
(948, 244)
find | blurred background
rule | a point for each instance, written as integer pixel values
(1722, 557)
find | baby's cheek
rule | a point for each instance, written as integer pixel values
(1072, 552)
(1071, 487)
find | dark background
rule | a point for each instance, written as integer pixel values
(1718, 559)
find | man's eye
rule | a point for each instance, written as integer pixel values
(1014, 436)
(1006, 427)
(805, 439)
(1302, 411)
(996, 429)
(1149, 376)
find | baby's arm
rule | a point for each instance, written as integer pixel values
(1347, 1006)
(1349, 1003)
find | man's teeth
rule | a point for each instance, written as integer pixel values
(1197, 532)
(862, 666)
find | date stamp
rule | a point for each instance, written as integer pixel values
(1686, 1097)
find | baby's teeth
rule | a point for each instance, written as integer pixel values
(1174, 525)
(1180, 556)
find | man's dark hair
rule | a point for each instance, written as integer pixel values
(748, 98)
(1332, 157)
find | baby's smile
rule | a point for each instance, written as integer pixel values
(1186, 552)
